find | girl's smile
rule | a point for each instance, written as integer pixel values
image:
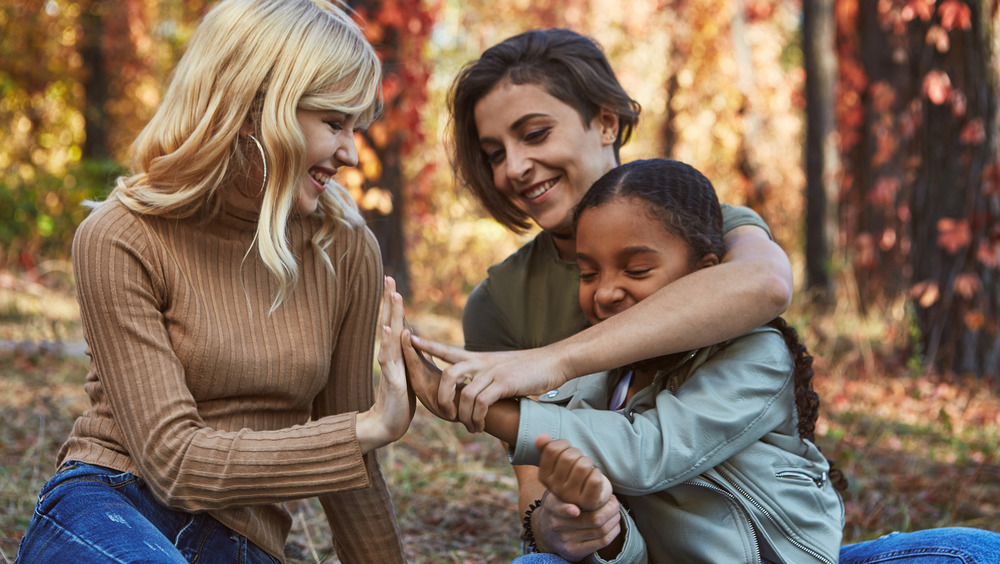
(625, 255)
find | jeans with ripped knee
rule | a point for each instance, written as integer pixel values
(91, 514)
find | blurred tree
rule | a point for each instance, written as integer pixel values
(399, 30)
(732, 99)
(821, 159)
(96, 144)
(78, 78)
(921, 194)
(721, 85)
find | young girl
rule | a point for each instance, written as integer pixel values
(229, 292)
(710, 450)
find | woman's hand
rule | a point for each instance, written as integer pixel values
(581, 514)
(489, 377)
(390, 416)
(561, 528)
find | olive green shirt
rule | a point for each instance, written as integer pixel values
(531, 298)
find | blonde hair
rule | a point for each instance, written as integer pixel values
(256, 61)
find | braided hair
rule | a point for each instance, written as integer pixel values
(806, 398)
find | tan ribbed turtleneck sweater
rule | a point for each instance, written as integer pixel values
(218, 405)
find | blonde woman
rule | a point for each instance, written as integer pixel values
(230, 293)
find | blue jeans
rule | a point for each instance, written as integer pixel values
(538, 558)
(952, 545)
(91, 514)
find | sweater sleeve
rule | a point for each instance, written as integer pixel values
(740, 394)
(362, 520)
(140, 380)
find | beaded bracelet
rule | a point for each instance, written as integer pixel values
(527, 535)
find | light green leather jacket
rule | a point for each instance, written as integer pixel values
(707, 458)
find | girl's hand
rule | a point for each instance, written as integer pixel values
(424, 376)
(571, 476)
(390, 416)
(580, 515)
(435, 388)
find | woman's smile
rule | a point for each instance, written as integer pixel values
(544, 157)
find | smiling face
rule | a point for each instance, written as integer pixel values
(625, 255)
(329, 137)
(543, 157)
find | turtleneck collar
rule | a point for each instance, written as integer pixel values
(238, 209)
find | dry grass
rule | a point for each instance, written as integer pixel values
(920, 451)
(454, 495)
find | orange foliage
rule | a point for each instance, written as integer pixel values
(399, 30)
(955, 15)
(968, 285)
(953, 235)
(974, 132)
(938, 36)
(989, 254)
(937, 86)
(922, 9)
(926, 293)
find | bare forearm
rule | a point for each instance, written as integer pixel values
(371, 432)
(502, 420)
(529, 488)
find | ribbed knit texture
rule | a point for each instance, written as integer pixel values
(218, 405)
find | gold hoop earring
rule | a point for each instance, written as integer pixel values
(260, 148)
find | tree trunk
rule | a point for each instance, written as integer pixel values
(748, 163)
(388, 228)
(876, 185)
(676, 57)
(95, 82)
(953, 217)
(919, 194)
(822, 159)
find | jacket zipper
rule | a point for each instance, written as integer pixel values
(770, 518)
(799, 475)
(746, 516)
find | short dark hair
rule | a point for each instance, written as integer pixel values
(569, 66)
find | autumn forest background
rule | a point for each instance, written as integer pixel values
(865, 132)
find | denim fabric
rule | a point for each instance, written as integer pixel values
(90, 514)
(539, 558)
(952, 545)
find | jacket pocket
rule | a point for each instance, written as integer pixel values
(802, 476)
